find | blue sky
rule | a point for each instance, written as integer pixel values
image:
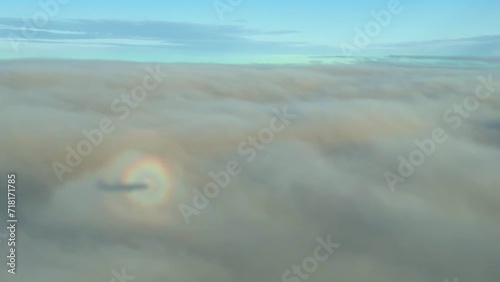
(253, 29)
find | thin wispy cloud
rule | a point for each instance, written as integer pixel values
(200, 41)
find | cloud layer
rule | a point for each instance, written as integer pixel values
(323, 175)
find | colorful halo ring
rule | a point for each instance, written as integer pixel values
(153, 206)
(149, 170)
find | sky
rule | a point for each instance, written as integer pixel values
(249, 30)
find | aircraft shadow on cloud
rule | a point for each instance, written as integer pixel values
(118, 187)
